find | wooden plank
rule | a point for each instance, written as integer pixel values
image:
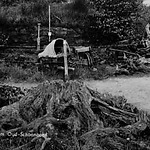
(62, 68)
(112, 49)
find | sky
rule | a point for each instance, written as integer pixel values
(147, 2)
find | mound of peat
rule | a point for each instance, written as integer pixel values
(68, 115)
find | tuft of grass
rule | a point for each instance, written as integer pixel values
(18, 74)
(37, 77)
(84, 72)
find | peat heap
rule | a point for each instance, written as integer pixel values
(61, 115)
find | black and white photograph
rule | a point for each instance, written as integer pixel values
(74, 74)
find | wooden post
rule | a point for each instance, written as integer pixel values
(65, 60)
(49, 32)
(38, 39)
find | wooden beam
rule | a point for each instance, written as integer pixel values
(65, 60)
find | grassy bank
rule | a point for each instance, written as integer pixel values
(15, 73)
(18, 74)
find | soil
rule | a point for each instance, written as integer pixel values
(135, 89)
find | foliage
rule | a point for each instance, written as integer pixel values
(142, 19)
(113, 20)
(79, 6)
(98, 22)
(8, 2)
(18, 74)
(35, 11)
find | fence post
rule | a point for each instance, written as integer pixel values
(65, 60)
(49, 32)
(38, 38)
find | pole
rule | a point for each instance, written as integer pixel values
(49, 32)
(65, 60)
(38, 39)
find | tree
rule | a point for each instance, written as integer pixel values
(113, 20)
(142, 19)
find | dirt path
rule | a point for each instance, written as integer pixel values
(22, 85)
(135, 89)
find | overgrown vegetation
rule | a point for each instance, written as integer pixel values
(97, 22)
(18, 74)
